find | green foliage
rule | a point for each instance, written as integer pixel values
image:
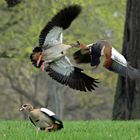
(21, 25)
(80, 130)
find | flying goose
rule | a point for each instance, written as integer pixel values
(50, 56)
(113, 60)
(42, 118)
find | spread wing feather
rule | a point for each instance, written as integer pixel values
(52, 32)
(32, 121)
(60, 68)
(65, 73)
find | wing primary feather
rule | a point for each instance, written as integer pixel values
(76, 79)
(81, 87)
(89, 86)
(62, 19)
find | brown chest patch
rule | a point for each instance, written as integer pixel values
(107, 54)
(35, 114)
(82, 46)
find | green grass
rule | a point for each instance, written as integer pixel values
(74, 130)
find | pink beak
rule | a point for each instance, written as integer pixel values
(42, 66)
(21, 109)
(39, 59)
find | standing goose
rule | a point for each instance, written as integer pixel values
(42, 118)
(50, 54)
(113, 60)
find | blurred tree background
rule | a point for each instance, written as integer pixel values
(126, 103)
(20, 82)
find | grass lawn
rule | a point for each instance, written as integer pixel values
(73, 130)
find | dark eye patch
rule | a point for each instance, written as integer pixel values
(34, 62)
(24, 105)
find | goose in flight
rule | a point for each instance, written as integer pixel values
(50, 56)
(113, 60)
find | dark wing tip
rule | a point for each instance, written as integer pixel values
(62, 19)
(82, 56)
(65, 16)
(76, 80)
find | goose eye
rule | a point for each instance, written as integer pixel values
(24, 105)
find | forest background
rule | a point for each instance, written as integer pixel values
(20, 82)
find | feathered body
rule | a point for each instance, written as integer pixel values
(113, 60)
(42, 118)
(50, 54)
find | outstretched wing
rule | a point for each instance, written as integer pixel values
(52, 32)
(65, 73)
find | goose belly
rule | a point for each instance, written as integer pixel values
(54, 52)
(44, 121)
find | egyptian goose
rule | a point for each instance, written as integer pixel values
(42, 118)
(50, 56)
(113, 60)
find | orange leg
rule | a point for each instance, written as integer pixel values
(47, 129)
(54, 127)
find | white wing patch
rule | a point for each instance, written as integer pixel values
(47, 111)
(116, 56)
(54, 37)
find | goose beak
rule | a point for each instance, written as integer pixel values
(21, 109)
(39, 59)
(42, 66)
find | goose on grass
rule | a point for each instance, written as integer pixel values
(42, 118)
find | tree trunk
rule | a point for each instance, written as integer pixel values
(127, 98)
